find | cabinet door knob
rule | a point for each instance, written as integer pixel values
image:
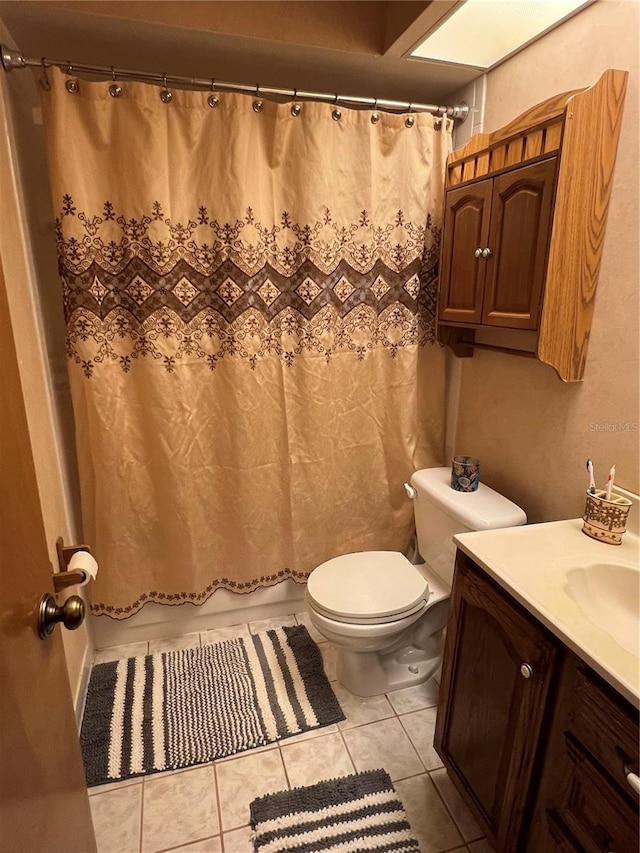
(486, 252)
(478, 253)
(526, 670)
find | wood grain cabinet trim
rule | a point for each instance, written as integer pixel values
(553, 273)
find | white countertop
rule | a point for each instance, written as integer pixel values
(531, 563)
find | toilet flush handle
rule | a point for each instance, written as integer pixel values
(410, 491)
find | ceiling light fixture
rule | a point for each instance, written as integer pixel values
(483, 33)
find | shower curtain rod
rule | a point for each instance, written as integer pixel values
(14, 60)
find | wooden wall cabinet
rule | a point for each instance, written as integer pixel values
(538, 746)
(525, 214)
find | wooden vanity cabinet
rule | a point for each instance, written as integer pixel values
(495, 248)
(584, 801)
(538, 745)
(524, 224)
(497, 670)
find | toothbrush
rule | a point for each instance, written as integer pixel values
(592, 482)
(612, 473)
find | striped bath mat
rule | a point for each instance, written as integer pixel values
(354, 814)
(176, 709)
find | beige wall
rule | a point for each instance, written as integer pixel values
(531, 431)
(21, 247)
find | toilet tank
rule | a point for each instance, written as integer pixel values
(441, 512)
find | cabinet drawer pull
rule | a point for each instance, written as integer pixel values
(526, 670)
(632, 779)
(478, 253)
(486, 252)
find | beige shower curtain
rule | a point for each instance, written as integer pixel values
(247, 294)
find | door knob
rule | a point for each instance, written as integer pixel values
(71, 614)
(526, 671)
(478, 253)
(486, 252)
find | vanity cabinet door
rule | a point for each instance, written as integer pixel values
(497, 670)
(591, 746)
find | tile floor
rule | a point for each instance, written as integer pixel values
(205, 809)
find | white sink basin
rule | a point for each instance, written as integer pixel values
(608, 594)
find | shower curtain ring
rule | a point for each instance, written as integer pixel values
(410, 120)
(375, 115)
(258, 104)
(44, 80)
(114, 90)
(72, 86)
(212, 100)
(165, 95)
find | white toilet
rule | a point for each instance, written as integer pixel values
(386, 615)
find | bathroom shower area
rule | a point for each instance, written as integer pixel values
(248, 291)
(240, 339)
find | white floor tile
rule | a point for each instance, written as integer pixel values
(430, 821)
(359, 710)
(242, 780)
(329, 654)
(420, 726)
(463, 818)
(179, 808)
(174, 644)
(210, 845)
(121, 652)
(269, 624)
(238, 841)
(314, 760)
(383, 745)
(414, 698)
(113, 786)
(116, 819)
(312, 733)
(219, 635)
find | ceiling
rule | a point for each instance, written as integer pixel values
(353, 48)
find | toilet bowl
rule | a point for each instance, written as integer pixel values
(385, 615)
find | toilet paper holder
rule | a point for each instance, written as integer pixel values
(68, 577)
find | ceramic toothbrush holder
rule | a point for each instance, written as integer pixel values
(605, 520)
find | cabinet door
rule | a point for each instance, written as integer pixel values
(466, 229)
(519, 236)
(490, 713)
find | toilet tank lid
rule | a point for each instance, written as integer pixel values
(484, 509)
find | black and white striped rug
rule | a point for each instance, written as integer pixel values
(353, 814)
(176, 709)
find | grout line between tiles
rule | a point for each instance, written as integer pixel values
(284, 764)
(216, 788)
(353, 764)
(453, 817)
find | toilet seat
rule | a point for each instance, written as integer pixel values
(369, 587)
